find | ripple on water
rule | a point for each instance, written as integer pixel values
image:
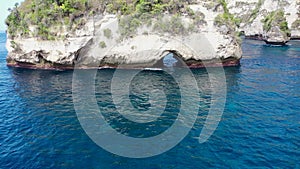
(260, 125)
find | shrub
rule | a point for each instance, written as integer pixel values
(43, 14)
(255, 12)
(226, 18)
(13, 44)
(43, 32)
(46, 14)
(107, 33)
(176, 25)
(189, 11)
(143, 6)
(158, 8)
(172, 25)
(128, 25)
(276, 18)
(102, 44)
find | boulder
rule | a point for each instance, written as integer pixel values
(276, 37)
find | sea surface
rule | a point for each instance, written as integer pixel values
(260, 125)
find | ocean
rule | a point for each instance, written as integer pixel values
(259, 127)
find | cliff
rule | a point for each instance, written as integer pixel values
(259, 18)
(138, 34)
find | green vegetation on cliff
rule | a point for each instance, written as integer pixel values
(16, 23)
(68, 14)
(276, 18)
(229, 20)
(150, 13)
(42, 15)
(255, 12)
(226, 18)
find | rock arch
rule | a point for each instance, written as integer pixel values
(170, 58)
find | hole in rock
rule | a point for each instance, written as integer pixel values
(170, 60)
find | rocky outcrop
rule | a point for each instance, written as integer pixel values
(201, 33)
(34, 51)
(276, 37)
(100, 43)
(253, 12)
(295, 34)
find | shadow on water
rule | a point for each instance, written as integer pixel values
(141, 87)
(232, 78)
(56, 87)
(35, 83)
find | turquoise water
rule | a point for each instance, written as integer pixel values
(260, 127)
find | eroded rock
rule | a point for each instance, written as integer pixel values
(205, 45)
(276, 37)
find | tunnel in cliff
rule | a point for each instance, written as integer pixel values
(171, 59)
(174, 59)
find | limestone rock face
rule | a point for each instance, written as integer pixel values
(207, 43)
(90, 47)
(37, 52)
(275, 37)
(295, 34)
(252, 12)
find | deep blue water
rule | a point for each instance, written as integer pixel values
(260, 127)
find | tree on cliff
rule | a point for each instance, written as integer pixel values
(42, 15)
